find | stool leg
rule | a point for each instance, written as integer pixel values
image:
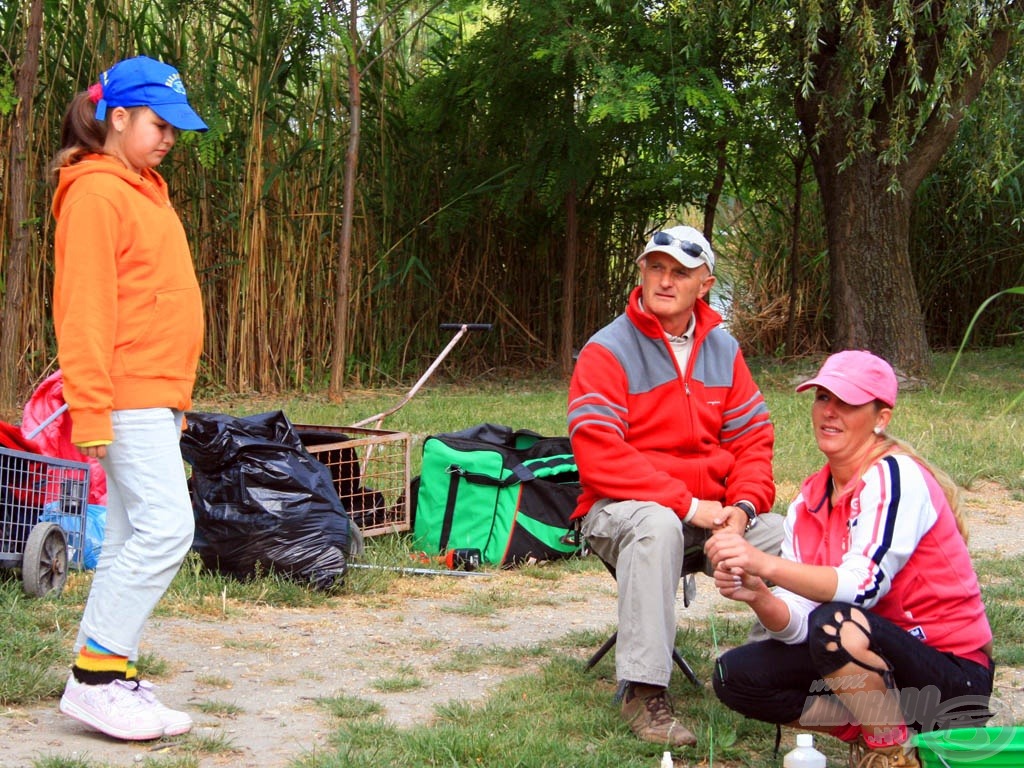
(600, 654)
(685, 667)
(677, 657)
(620, 692)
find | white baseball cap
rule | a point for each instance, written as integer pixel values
(684, 244)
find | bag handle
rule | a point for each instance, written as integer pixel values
(499, 435)
(519, 474)
(553, 466)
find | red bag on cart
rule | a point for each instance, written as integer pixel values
(55, 438)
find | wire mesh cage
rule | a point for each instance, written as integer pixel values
(370, 470)
(43, 503)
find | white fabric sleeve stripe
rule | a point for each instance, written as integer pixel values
(895, 512)
(799, 609)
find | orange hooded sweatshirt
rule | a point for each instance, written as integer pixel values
(127, 308)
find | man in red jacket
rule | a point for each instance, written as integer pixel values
(673, 441)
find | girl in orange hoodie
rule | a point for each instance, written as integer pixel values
(129, 324)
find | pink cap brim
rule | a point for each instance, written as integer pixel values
(844, 389)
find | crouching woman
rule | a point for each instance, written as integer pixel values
(875, 621)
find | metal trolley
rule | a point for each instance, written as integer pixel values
(43, 504)
(371, 466)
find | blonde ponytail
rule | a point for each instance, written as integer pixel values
(889, 445)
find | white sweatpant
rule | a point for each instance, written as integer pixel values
(149, 528)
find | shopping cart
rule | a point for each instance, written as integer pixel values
(43, 504)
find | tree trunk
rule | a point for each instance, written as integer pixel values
(874, 300)
(794, 250)
(572, 246)
(715, 193)
(341, 294)
(868, 203)
(12, 339)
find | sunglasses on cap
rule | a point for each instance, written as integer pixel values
(687, 247)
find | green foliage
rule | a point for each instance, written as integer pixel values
(1009, 291)
(198, 591)
(624, 94)
(560, 716)
(219, 708)
(1000, 579)
(934, 53)
(64, 762)
(480, 125)
(965, 241)
(404, 679)
(8, 100)
(350, 707)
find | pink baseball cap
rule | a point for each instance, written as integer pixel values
(856, 377)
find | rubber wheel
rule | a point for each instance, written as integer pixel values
(44, 566)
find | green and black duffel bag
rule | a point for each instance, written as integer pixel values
(507, 493)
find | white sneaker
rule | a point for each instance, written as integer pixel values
(175, 723)
(115, 709)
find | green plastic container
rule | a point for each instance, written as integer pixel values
(972, 748)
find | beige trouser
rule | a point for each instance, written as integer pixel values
(645, 544)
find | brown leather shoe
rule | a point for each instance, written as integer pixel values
(649, 713)
(896, 756)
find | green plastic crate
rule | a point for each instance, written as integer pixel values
(972, 748)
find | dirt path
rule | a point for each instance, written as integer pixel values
(268, 666)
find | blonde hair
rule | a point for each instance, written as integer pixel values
(889, 445)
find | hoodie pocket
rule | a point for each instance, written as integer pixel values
(172, 339)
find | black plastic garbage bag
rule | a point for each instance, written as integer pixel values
(261, 501)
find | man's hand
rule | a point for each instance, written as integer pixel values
(732, 520)
(713, 516)
(708, 515)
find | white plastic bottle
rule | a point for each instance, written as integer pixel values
(666, 760)
(805, 755)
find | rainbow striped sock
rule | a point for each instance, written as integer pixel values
(97, 665)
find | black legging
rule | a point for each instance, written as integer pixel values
(775, 682)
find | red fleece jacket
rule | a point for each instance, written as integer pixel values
(642, 429)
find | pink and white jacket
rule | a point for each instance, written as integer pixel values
(896, 549)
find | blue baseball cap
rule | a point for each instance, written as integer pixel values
(146, 82)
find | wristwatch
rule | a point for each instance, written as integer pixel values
(748, 508)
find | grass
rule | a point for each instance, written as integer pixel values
(561, 715)
(556, 717)
(1001, 579)
(350, 707)
(404, 679)
(487, 603)
(214, 681)
(218, 708)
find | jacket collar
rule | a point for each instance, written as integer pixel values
(650, 326)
